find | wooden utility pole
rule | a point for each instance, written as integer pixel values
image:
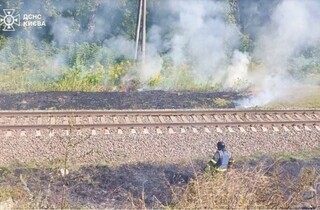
(138, 30)
(142, 17)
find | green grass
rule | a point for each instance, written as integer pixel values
(301, 155)
(286, 156)
(221, 102)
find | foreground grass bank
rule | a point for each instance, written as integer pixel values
(280, 181)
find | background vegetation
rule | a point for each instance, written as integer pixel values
(78, 57)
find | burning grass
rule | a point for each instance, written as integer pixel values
(303, 97)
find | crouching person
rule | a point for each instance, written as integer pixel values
(221, 160)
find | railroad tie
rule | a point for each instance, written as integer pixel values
(195, 118)
(242, 129)
(126, 118)
(51, 133)
(259, 117)
(317, 127)
(182, 130)
(39, 120)
(307, 116)
(206, 118)
(185, 119)
(264, 129)
(133, 131)
(120, 131)
(139, 120)
(150, 118)
(279, 117)
(218, 129)
(285, 128)
(276, 129)
(106, 131)
(78, 132)
(145, 131)
(25, 120)
(93, 132)
(247, 117)
(230, 129)
(253, 129)
(38, 133)
(23, 133)
(289, 117)
(269, 117)
(171, 131)
(174, 119)
(238, 118)
(299, 117)
(9, 133)
(52, 120)
(207, 130)
(65, 120)
(296, 128)
(227, 118)
(307, 128)
(194, 130)
(103, 119)
(78, 120)
(217, 117)
(159, 131)
(13, 120)
(162, 120)
(67, 133)
(115, 120)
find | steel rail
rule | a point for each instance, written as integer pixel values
(167, 124)
(75, 113)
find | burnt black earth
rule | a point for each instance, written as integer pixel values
(132, 185)
(155, 99)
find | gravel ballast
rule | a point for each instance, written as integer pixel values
(152, 147)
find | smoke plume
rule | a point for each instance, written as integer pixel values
(200, 35)
(281, 41)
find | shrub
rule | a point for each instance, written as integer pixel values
(221, 102)
(76, 79)
(117, 71)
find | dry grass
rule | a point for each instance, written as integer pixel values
(247, 188)
(302, 97)
(259, 183)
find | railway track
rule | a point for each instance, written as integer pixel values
(159, 120)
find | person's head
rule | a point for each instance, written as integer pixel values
(221, 145)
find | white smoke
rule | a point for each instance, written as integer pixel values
(193, 33)
(197, 33)
(292, 29)
(238, 70)
(63, 31)
(120, 46)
